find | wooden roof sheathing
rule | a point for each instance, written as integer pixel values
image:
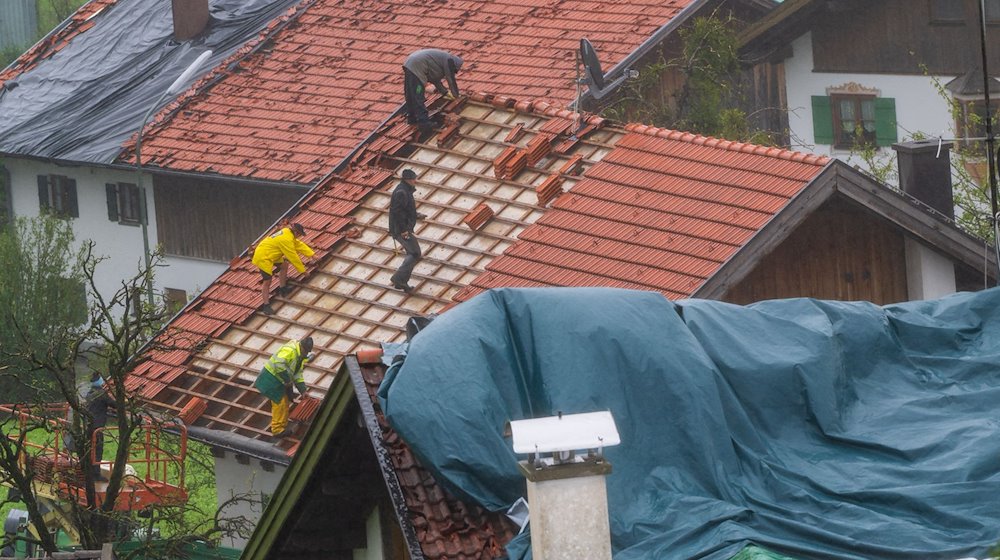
(344, 300)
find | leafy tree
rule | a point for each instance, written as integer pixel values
(53, 342)
(710, 98)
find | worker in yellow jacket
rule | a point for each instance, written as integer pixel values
(273, 251)
(276, 379)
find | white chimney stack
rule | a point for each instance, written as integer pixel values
(567, 494)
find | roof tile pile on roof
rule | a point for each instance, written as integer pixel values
(300, 104)
(216, 347)
(653, 209)
(445, 526)
(662, 211)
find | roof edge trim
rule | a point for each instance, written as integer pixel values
(296, 477)
(392, 485)
(731, 145)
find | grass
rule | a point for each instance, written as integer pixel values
(199, 511)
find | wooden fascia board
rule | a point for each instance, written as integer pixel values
(296, 477)
(384, 460)
(785, 221)
(923, 225)
(772, 22)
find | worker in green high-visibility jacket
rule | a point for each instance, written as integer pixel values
(279, 375)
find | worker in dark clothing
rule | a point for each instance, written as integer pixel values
(403, 217)
(423, 67)
(97, 404)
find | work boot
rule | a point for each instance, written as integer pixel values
(266, 309)
(285, 290)
(405, 287)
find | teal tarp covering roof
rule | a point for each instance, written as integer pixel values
(814, 428)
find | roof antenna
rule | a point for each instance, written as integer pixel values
(593, 77)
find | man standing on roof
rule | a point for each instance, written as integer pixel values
(273, 251)
(403, 217)
(282, 372)
(421, 67)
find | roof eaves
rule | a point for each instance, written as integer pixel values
(651, 42)
(767, 238)
(785, 15)
(295, 479)
(392, 484)
(917, 218)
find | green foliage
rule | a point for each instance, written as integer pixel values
(42, 300)
(709, 101)
(50, 14)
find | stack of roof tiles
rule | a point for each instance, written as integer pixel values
(638, 207)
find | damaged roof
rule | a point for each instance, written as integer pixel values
(81, 92)
(500, 171)
(293, 109)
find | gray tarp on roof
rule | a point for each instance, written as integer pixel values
(86, 100)
(817, 429)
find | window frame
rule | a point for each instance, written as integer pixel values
(839, 141)
(60, 197)
(994, 7)
(937, 19)
(128, 198)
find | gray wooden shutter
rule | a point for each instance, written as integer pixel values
(72, 208)
(822, 119)
(111, 191)
(885, 121)
(43, 192)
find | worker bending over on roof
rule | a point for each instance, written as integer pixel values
(279, 375)
(421, 67)
(273, 251)
(403, 217)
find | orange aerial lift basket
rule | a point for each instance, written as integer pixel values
(154, 471)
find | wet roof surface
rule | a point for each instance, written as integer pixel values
(319, 85)
(635, 207)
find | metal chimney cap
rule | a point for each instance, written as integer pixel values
(566, 432)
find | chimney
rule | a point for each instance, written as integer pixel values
(925, 174)
(567, 495)
(190, 18)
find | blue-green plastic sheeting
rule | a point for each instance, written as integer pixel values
(816, 429)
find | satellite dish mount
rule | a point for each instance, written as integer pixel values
(592, 76)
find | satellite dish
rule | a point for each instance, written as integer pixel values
(593, 75)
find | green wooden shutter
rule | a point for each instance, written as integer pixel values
(822, 119)
(43, 193)
(885, 121)
(111, 191)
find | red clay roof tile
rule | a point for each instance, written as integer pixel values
(296, 101)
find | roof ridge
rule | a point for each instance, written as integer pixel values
(732, 145)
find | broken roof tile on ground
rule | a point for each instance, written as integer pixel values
(645, 208)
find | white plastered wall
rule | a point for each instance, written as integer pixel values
(373, 535)
(919, 105)
(233, 478)
(121, 244)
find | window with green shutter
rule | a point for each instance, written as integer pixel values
(849, 121)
